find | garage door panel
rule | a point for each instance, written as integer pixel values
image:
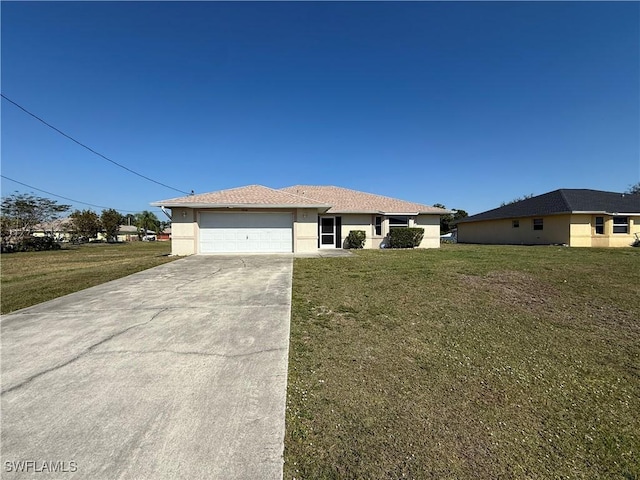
(246, 232)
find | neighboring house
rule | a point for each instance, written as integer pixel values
(301, 218)
(574, 217)
(58, 229)
(164, 235)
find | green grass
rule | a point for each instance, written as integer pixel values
(467, 362)
(31, 278)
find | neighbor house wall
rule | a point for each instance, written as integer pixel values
(556, 230)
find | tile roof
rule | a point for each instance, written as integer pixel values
(344, 200)
(563, 201)
(249, 196)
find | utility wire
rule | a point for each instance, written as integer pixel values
(89, 148)
(60, 196)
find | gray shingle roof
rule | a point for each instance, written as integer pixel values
(566, 200)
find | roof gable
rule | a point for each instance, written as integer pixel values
(345, 200)
(563, 201)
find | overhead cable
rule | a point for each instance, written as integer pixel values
(89, 148)
(65, 198)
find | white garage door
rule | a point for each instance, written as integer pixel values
(246, 232)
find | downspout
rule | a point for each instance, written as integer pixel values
(165, 212)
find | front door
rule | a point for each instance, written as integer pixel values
(327, 232)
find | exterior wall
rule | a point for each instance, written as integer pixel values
(353, 221)
(576, 230)
(556, 230)
(183, 231)
(305, 230)
(431, 225)
(586, 236)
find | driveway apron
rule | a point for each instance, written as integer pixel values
(176, 372)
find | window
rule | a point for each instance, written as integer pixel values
(599, 225)
(515, 223)
(398, 222)
(378, 226)
(538, 223)
(620, 224)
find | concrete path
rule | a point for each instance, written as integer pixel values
(176, 372)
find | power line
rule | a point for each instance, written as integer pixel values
(89, 148)
(65, 198)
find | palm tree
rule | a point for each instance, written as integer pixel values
(146, 221)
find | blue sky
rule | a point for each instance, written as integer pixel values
(465, 104)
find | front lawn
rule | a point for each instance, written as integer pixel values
(467, 362)
(34, 277)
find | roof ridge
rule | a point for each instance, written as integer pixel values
(281, 190)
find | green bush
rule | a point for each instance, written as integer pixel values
(356, 239)
(36, 244)
(405, 237)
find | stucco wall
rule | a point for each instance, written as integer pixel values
(183, 231)
(305, 230)
(555, 230)
(431, 225)
(577, 230)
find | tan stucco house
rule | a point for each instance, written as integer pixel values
(301, 218)
(574, 217)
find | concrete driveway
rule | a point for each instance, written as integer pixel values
(176, 372)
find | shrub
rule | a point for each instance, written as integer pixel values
(36, 244)
(356, 239)
(405, 237)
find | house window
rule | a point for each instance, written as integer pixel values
(620, 224)
(599, 225)
(378, 226)
(538, 224)
(515, 223)
(398, 222)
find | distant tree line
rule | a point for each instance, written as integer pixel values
(24, 213)
(447, 221)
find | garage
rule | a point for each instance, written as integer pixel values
(246, 232)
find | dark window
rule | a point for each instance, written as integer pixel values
(620, 224)
(599, 225)
(398, 222)
(515, 223)
(538, 224)
(378, 225)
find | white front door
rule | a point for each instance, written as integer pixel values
(327, 232)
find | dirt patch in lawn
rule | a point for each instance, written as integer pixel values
(513, 288)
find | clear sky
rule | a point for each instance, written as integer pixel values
(465, 104)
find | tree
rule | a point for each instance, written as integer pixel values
(515, 200)
(145, 221)
(21, 212)
(447, 220)
(85, 223)
(634, 189)
(111, 220)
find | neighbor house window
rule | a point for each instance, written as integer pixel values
(378, 226)
(398, 222)
(538, 224)
(620, 224)
(599, 225)
(515, 223)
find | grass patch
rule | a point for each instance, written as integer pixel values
(469, 361)
(33, 277)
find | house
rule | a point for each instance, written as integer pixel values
(59, 229)
(574, 217)
(301, 218)
(164, 235)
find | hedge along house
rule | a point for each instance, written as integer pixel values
(258, 219)
(574, 217)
